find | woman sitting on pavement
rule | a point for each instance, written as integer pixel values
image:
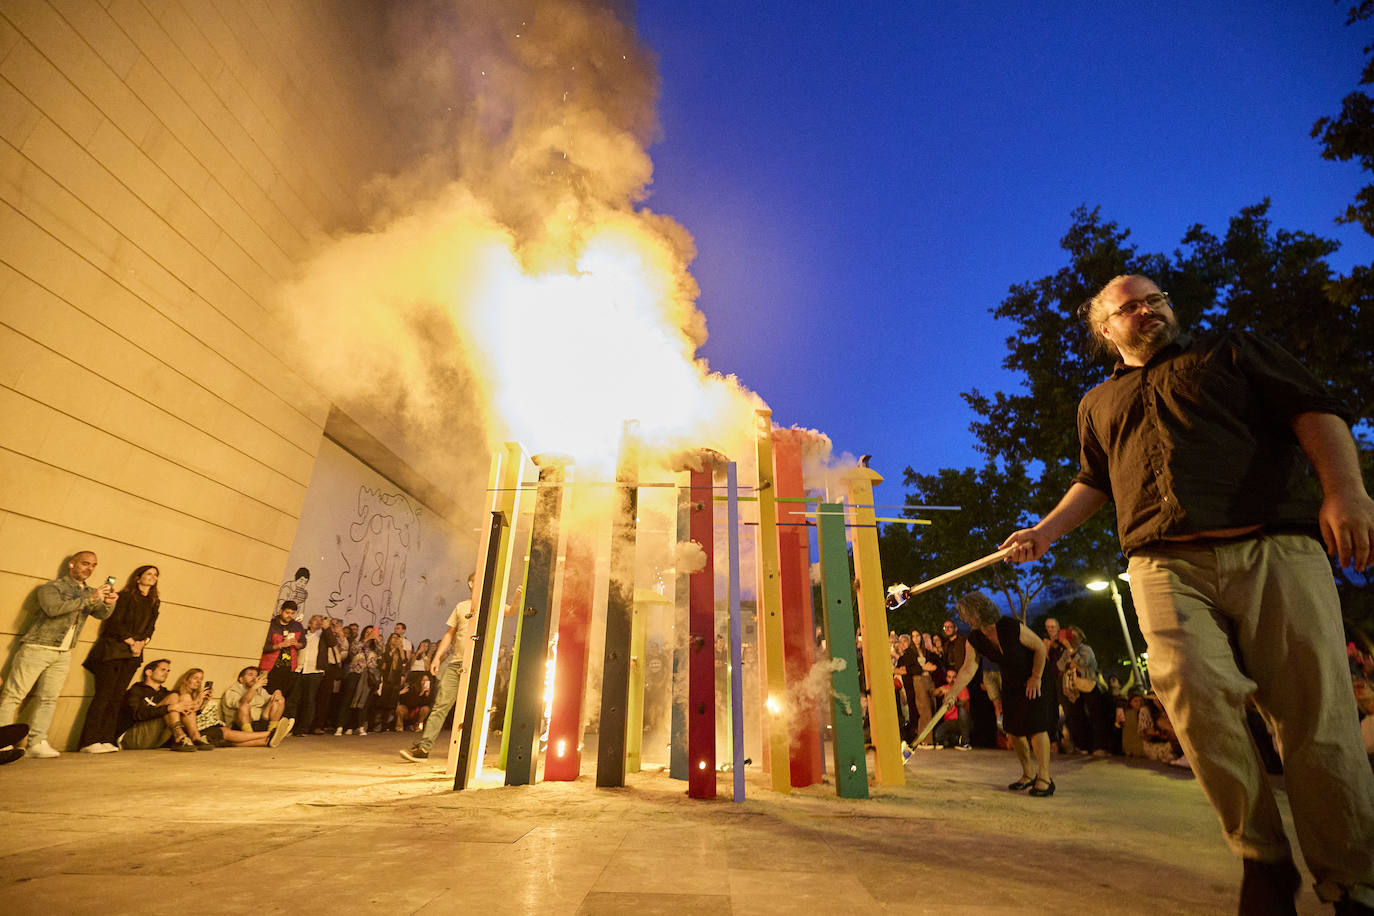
(206, 727)
(414, 701)
(1027, 713)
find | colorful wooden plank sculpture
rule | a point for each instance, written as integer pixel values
(527, 693)
(798, 630)
(736, 648)
(770, 609)
(615, 666)
(563, 757)
(504, 484)
(882, 703)
(847, 748)
(701, 683)
(481, 629)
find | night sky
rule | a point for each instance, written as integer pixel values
(865, 181)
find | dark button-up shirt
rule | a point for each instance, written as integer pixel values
(1200, 439)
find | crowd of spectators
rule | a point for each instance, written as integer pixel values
(330, 678)
(1099, 714)
(324, 677)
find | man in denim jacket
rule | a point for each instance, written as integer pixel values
(45, 653)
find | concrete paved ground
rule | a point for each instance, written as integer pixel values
(343, 825)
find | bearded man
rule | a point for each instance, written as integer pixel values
(1200, 443)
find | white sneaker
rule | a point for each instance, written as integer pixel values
(99, 747)
(43, 749)
(111, 748)
(338, 731)
(362, 731)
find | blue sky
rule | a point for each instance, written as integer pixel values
(865, 181)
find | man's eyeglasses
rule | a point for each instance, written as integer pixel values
(1154, 301)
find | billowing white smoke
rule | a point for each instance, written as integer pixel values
(513, 284)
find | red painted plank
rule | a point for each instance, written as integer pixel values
(563, 757)
(701, 652)
(798, 630)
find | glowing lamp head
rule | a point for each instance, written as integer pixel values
(701, 765)
(562, 748)
(1097, 585)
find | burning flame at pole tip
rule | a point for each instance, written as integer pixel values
(772, 706)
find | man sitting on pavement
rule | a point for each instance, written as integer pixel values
(246, 706)
(151, 715)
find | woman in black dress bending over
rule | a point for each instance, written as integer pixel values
(1028, 712)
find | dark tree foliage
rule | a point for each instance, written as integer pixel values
(1274, 282)
(1350, 135)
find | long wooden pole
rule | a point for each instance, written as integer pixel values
(847, 747)
(527, 694)
(770, 609)
(945, 578)
(882, 703)
(615, 665)
(736, 644)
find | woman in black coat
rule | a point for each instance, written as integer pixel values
(116, 655)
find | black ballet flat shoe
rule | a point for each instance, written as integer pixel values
(1021, 784)
(1043, 793)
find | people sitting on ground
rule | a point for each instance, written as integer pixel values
(1157, 733)
(190, 687)
(153, 716)
(414, 701)
(364, 674)
(247, 706)
(1364, 702)
(208, 726)
(953, 729)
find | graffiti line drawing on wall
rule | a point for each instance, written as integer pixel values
(293, 589)
(376, 549)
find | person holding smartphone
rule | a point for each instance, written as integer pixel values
(116, 654)
(45, 651)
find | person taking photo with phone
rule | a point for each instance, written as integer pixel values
(45, 651)
(115, 656)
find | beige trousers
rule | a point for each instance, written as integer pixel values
(1261, 616)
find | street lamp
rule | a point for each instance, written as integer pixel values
(1098, 585)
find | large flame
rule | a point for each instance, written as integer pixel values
(527, 293)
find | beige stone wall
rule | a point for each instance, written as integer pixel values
(164, 164)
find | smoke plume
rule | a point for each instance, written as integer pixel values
(513, 284)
